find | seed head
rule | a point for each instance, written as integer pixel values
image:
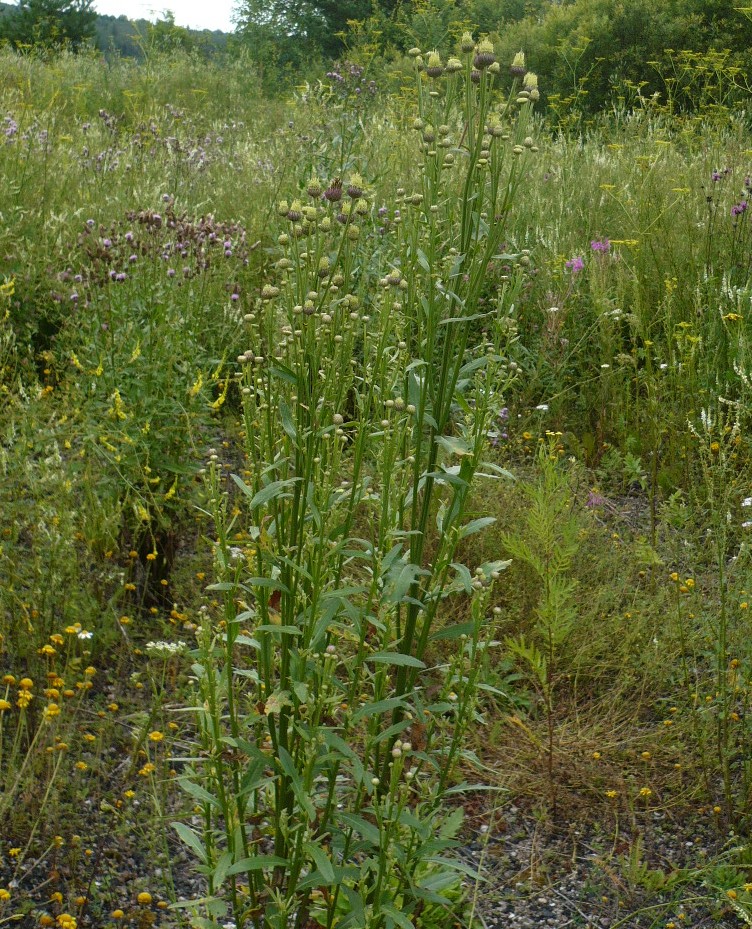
(484, 55)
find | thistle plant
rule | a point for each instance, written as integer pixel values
(331, 720)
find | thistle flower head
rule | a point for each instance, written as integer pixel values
(435, 68)
(517, 68)
(453, 65)
(484, 55)
(314, 188)
(467, 43)
(333, 192)
(355, 187)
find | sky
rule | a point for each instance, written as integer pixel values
(198, 14)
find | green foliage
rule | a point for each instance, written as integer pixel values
(547, 547)
(49, 23)
(305, 29)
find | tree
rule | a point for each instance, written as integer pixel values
(50, 23)
(311, 25)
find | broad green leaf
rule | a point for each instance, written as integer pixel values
(381, 706)
(476, 525)
(257, 863)
(365, 829)
(189, 837)
(399, 918)
(397, 659)
(288, 766)
(220, 872)
(321, 861)
(198, 792)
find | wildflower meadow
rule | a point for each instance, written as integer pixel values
(375, 499)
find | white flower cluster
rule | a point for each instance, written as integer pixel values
(165, 649)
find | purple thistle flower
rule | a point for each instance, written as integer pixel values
(600, 245)
(575, 264)
(738, 208)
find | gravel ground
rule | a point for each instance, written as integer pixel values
(539, 875)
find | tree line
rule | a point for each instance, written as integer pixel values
(75, 24)
(591, 54)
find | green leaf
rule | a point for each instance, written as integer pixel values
(397, 659)
(399, 918)
(301, 691)
(321, 861)
(257, 863)
(198, 792)
(476, 525)
(365, 829)
(189, 837)
(286, 419)
(381, 706)
(270, 492)
(288, 766)
(454, 445)
(220, 872)
(451, 633)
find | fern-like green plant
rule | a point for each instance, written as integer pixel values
(547, 546)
